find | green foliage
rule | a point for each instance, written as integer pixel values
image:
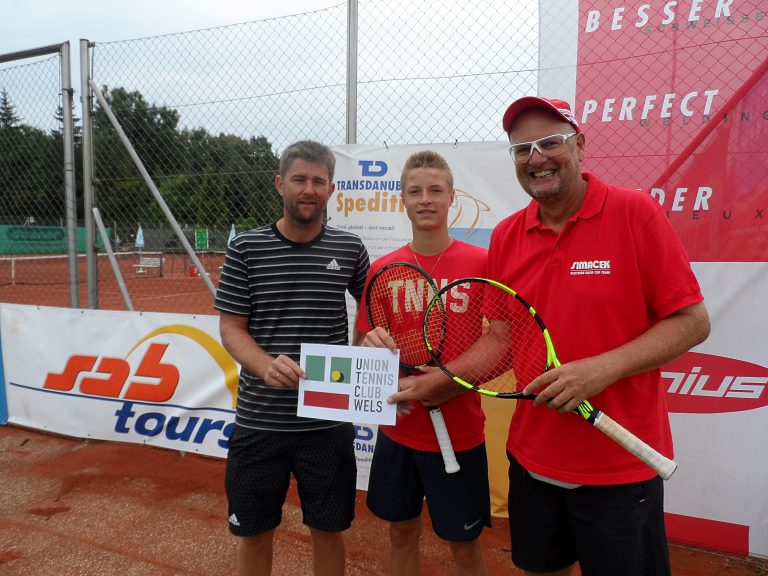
(209, 181)
(31, 171)
(8, 116)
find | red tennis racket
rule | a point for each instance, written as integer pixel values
(396, 299)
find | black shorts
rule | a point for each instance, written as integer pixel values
(259, 467)
(609, 530)
(459, 504)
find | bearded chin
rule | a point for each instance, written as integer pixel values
(302, 218)
(543, 192)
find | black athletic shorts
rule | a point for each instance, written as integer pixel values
(609, 530)
(259, 467)
(459, 504)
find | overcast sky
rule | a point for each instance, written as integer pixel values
(27, 24)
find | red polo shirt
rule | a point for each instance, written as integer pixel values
(616, 269)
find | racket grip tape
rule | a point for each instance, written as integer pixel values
(662, 465)
(446, 448)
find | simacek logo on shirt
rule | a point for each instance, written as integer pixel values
(587, 267)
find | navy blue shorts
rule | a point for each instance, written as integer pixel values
(259, 468)
(609, 530)
(459, 504)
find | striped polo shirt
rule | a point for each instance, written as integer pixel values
(292, 293)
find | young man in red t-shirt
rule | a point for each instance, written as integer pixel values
(407, 464)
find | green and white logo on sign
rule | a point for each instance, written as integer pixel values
(340, 369)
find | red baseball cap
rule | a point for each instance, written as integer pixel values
(559, 107)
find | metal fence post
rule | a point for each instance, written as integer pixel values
(351, 71)
(90, 236)
(68, 136)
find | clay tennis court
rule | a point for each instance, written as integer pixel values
(175, 287)
(73, 507)
(83, 507)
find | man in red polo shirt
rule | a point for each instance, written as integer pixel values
(610, 276)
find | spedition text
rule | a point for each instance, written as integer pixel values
(378, 202)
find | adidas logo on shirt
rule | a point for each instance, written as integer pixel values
(333, 265)
(233, 520)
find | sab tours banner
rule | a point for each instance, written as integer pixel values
(150, 378)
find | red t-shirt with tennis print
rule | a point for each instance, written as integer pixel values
(616, 269)
(463, 415)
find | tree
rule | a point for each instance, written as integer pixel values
(8, 116)
(207, 181)
(31, 170)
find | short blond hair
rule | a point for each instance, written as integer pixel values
(426, 159)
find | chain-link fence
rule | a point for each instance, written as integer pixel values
(39, 240)
(652, 81)
(209, 111)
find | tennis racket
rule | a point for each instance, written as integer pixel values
(396, 300)
(516, 349)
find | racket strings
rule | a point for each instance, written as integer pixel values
(513, 350)
(397, 300)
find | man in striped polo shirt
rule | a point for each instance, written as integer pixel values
(281, 285)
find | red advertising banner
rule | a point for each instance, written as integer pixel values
(722, 177)
(672, 96)
(655, 77)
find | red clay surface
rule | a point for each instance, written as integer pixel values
(44, 281)
(85, 508)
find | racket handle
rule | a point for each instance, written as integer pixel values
(662, 465)
(446, 448)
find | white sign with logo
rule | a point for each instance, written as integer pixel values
(348, 383)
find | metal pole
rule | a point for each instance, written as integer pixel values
(68, 136)
(21, 54)
(90, 236)
(112, 259)
(351, 71)
(155, 192)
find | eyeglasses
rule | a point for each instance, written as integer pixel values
(548, 146)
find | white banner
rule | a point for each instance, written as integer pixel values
(367, 198)
(146, 378)
(159, 379)
(718, 396)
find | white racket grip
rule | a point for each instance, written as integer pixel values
(446, 448)
(662, 465)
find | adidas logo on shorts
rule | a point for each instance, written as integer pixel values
(333, 265)
(233, 520)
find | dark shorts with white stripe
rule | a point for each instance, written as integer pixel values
(459, 504)
(259, 468)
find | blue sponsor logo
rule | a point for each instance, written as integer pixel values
(373, 167)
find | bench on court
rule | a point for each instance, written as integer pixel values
(147, 262)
